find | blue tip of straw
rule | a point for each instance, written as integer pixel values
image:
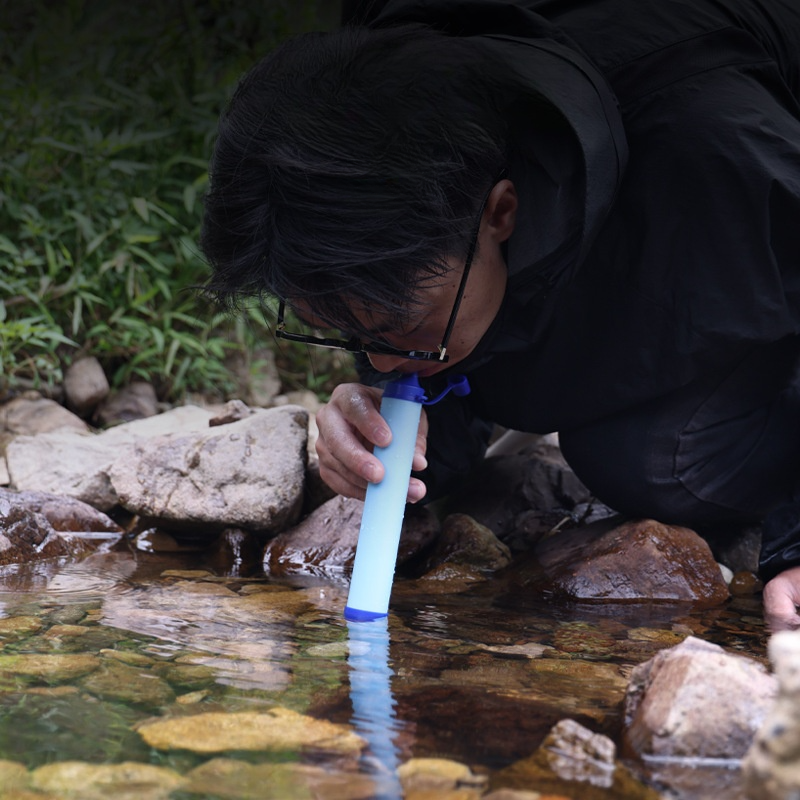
(357, 615)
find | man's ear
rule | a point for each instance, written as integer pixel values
(501, 210)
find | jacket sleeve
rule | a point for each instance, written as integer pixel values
(457, 437)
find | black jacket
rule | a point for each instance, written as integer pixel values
(673, 246)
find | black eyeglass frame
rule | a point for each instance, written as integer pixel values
(355, 345)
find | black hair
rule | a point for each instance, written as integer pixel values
(348, 166)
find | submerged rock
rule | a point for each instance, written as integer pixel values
(276, 730)
(695, 700)
(573, 761)
(248, 473)
(228, 777)
(126, 781)
(13, 776)
(128, 684)
(772, 765)
(53, 668)
(642, 560)
(438, 775)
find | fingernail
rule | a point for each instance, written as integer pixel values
(381, 436)
(415, 492)
(371, 473)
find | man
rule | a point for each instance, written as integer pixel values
(590, 207)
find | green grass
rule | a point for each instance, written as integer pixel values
(108, 112)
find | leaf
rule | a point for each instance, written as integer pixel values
(140, 206)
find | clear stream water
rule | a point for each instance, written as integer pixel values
(475, 674)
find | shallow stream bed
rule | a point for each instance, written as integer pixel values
(95, 652)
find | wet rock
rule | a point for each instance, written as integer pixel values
(48, 667)
(465, 541)
(573, 761)
(325, 542)
(187, 676)
(126, 781)
(438, 775)
(695, 700)
(236, 552)
(17, 627)
(745, 583)
(76, 464)
(29, 416)
(276, 730)
(65, 514)
(136, 401)
(85, 385)
(227, 777)
(245, 474)
(128, 684)
(583, 638)
(771, 767)
(642, 560)
(27, 536)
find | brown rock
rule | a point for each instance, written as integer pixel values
(575, 762)
(28, 416)
(640, 560)
(27, 536)
(232, 411)
(135, 401)
(465, 541)
(65, 514)
(325, 542)
(85, 385)
(696, 700)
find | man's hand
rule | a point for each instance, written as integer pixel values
(781, 598)
(349, 427)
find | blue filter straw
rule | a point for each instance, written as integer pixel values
(384, 506)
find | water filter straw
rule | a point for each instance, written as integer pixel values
(384, 506)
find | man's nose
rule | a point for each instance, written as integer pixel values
(385, 363)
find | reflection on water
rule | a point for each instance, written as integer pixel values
(91, 650)
(374, 714)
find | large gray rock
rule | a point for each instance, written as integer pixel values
(696, 700)
(772, 766)
(76, 463)
(249, 473)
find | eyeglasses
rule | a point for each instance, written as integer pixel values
(355, 345)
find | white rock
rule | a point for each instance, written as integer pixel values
(249, 473)
(76, 462)
(696, 700)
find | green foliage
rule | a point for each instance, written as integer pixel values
(107, 116)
